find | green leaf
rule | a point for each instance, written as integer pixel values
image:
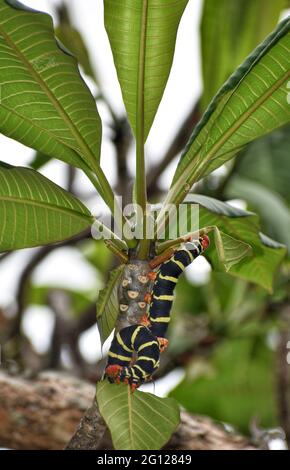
(34, 211)
(226, 44)
(98, 255)
(142, 35)
(242, 369)
(137, 421)
(259, 265)
(108, 304)
(262, 266)
(44, 102)
(272, 209)
(232, 250)
(253, 102)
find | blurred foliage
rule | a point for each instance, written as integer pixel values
(73, 40)
(230, 30)
(39, 160)
(235, 387)
(267, 162)
(79, 300)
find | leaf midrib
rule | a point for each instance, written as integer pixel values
(50, 95)
(130, 417)
(23, 201)
(140, 110)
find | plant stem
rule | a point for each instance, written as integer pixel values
(141, 188)
(104, 189)
(161, 247)
(123, 257)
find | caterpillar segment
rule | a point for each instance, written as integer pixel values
(164, 286)
(133, 356)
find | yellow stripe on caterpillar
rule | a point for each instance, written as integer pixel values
(160, 320)
(146, 358)
(141, 370)
(146, 345)
(190, 255)
(168, 278)
(121, 342)
(118, 356)
(164, 297)
(179, 264)
(134, 335)
(126, 371)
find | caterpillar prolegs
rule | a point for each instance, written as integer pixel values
(140, 334)
(133, 341)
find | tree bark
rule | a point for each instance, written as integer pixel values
(55, 411)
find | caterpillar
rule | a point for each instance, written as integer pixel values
(134, 354)
(166, 280)
(133, 340)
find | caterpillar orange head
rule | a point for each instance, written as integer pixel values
(205, 241)
(113, 371)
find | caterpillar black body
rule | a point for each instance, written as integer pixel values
(166, 280)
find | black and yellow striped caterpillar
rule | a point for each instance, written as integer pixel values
(134, 353)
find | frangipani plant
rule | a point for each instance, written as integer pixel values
(46, 105)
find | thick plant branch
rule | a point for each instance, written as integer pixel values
(90, 431)
(45, 413)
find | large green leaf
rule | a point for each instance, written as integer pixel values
(263, 265)
(259, 265)
(44, 102)
(274, 212)
(226, 44)
(137, 421)
(242, 369)
(252, 102)
(34, 211)
(142, 34)
(230, 251)
(108, 304)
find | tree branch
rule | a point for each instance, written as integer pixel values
(45, 412)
